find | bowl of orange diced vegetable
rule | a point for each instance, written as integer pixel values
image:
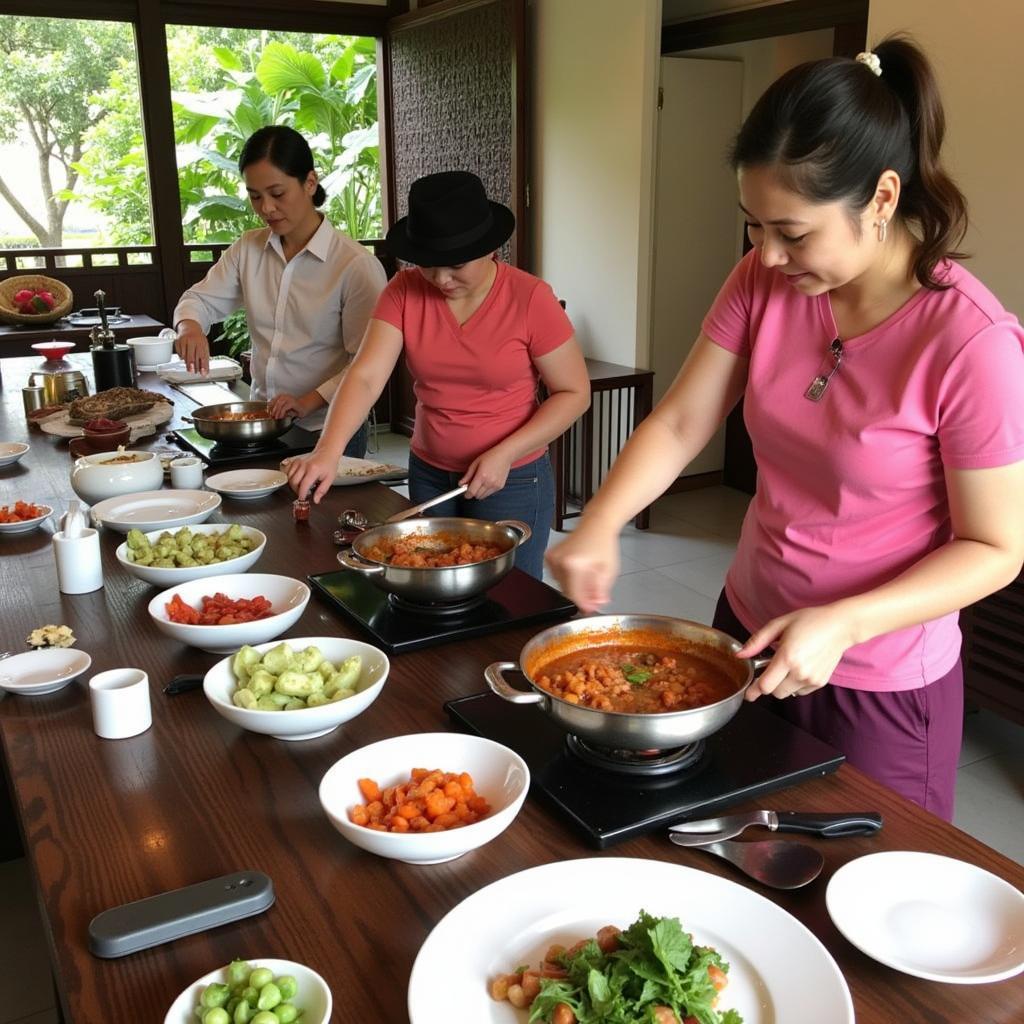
(23, 516)
(426, 797)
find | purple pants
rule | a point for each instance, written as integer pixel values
(909, 740)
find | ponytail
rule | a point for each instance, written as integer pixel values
(831, 127)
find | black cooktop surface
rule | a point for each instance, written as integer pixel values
(294, 442)
(516, 600)
(756, 753)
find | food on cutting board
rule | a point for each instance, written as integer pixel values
(114, 404)
(102, 425)
(219, 610)
(21, 512)
(428, 801)
(51, 636)
(249, 995)
(635, 680)
(652, 971)
(185, 548)
(282, 679)
(431, 551)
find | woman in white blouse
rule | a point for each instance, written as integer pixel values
(308, 290)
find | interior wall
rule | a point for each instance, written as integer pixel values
(594, 91)
(974, 46)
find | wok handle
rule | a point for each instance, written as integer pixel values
(501, 687)
(517, 526)
(188, 419)
(352, 561)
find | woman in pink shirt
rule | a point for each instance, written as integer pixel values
(883, 391)
(479, 338)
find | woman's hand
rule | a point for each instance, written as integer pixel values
(586, 564)
(312, 475)
(808, 645)
(192, 345)
(281, 405)
(487, 473)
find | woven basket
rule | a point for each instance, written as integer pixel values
(9, 287)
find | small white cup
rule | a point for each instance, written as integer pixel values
(79, 565)
(187, 473)
(120, 703)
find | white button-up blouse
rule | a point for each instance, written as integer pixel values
(306, 316)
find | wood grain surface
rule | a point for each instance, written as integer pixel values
(106, 822)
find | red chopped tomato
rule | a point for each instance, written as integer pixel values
(219, 610)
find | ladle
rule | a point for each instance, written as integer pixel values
(352, 519)
(773, 862)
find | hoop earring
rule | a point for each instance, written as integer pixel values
(883, 226)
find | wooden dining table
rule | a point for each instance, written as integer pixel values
(105, 822)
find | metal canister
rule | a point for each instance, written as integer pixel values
(33, 398)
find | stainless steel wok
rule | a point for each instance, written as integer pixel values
(443, 584)
(208, 424)
(619, 729)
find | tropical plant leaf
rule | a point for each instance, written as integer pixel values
(282, 67)
(228, 59)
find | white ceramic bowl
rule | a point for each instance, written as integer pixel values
(313, 996)
(165, 577)
(288, 598)
(11, 451)
(499, 775)
(151, 352)
(305, 723)
(94, 478)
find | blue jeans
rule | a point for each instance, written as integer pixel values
(528, 495)
(356, 448)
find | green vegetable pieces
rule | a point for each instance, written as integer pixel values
(655, 965)
(250, 996)
(185, 548)
(287, 680)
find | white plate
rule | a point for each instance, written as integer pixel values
(26, 524)
(11, 451)
(247, 483)
(930, 916)
(44, 671)
(155, 510)
(362, 471)
(779, 972)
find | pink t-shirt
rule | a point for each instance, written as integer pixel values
(850, 488)
(476, 383)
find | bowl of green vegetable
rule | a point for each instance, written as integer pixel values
(274, 991)
(167, 558)
(298, 689)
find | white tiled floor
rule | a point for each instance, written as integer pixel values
(675, 568)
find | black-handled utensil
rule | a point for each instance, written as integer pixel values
(182, 684)
(710, 830)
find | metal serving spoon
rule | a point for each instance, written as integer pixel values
(352, 519)
(773, 862)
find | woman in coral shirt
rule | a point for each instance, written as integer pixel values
(479, 338)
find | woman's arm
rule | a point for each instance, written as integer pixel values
(708, 385)
(564, 374)
(204, 304)
(361, 387)
(985, 554)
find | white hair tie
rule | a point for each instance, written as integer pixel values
(870, 60)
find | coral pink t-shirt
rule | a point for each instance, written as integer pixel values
(850, 488)
(476, 383)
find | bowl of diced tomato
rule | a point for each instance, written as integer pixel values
(222, 613)
(425, 798)
(23, 516)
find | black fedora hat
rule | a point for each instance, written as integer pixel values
(450, 221)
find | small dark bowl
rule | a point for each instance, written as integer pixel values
(106, 440)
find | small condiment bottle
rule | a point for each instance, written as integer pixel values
(300, 510)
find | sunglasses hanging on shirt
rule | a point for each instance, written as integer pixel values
(828, 370)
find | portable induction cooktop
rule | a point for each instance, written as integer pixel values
(400, 626)
(293, 442)
(610, 797)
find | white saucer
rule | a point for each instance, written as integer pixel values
(930, 916)
(247, 483)
(27, 524)
(11, 451)
(156, 510)
(44, 671)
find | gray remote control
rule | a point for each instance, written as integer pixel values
(195, 908)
